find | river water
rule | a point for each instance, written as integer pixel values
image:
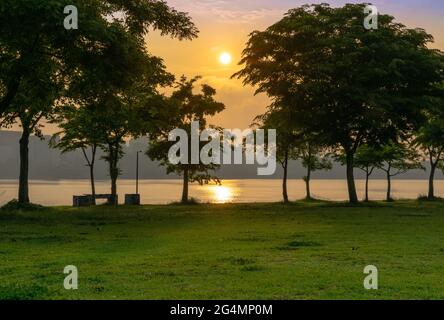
(51, 193)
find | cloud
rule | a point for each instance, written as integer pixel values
(229, 11)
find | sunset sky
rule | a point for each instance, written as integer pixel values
(224, 27)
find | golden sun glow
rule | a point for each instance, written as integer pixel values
(222, 194)
(225, 58)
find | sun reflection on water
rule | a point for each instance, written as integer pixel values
(222, 194)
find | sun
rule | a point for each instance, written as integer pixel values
(225, 58)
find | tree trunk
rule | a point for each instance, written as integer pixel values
(284, 181)
(114, 200)
(185, 186)
(113, 172)
(367, 176)
(93, 185)
(389, 187)
(91, 171)
(307, 184)
(431, 195)
(353, 197)
(23, 193)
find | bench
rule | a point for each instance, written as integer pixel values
(132, 199)
(88, 200)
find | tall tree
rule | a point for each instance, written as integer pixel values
(188, 108)
(36, 51)
(33, 103)
(321, 62)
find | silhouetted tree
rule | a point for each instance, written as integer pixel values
(279, 118)
(321, 62)
(34, 30)
(130, 113)
(81, 128)
(34, 102)
(430, 139)
(188, 108)
(398, 158)
(292, 144)
(313, 159)
(368, 159)
(40, 60)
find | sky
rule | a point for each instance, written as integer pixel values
(224, 26)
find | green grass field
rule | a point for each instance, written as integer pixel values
(251, 251)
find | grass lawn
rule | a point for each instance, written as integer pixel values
(251, 251)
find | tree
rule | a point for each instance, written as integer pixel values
(367, 159)
(118, 112)
(398, 158)
(280, 119)
(32, 30)
(321, 62)
(129, 113)
(292, 144)
(114, 114)
(430, 139)
(32, 104)
(80, 129)
(312, 160)
(41, 62)
(118, 126)
(188, 108)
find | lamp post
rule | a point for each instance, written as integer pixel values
(134, 199)
(137, 172)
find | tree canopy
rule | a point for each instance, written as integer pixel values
(348, 85)
(43, 65)
(189, 107)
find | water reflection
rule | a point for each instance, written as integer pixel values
(235, 191)
(222, 194)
